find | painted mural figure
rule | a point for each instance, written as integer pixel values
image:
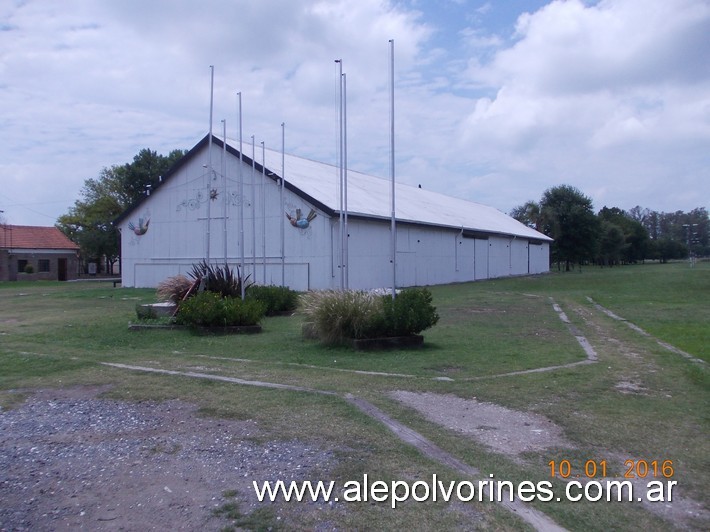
(299, 221)
(142, 227)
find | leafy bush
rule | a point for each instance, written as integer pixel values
(410, 312)
(203, 309)
(238, 312)
(29, 268)
(276, 298)
(222, 280)
(335, 317)
(208, 309)
(173, 288)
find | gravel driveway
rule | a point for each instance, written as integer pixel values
(69, 460)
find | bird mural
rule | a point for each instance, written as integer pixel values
(142, 227)
(299, 221)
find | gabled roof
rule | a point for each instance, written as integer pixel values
(369, 196)
(30, 237)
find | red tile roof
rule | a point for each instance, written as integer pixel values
(29, 237)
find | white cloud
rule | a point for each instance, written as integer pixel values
(606, 95)
(86, 85)
(613, 97)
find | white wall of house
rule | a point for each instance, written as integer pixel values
(185, 225)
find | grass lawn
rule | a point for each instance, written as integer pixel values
(639, 402)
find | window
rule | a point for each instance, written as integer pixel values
(21, 265)
(43, 265)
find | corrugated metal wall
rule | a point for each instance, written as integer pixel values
(177, 237)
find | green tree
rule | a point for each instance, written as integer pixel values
(567, 217)
(528, 213)
(691, 229)
(612, 244)
(636, 240)
(665, 249)
(89, 222)
(697, 231)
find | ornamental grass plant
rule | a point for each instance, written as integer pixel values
(335, 317)
(338, 316)
(173, 288)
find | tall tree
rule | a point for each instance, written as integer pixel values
(568, 217)
(528, 213)
(691, 230)
(665, 249)
(89, 222)
(611, 244)
(636, 239)
(697, 229)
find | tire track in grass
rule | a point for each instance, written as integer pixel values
(642, 332)
(592, 357)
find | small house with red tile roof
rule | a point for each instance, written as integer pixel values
(29, 253)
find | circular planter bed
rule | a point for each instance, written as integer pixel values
(393, 342)
(150, 326)
(230, 329)
(235, 329)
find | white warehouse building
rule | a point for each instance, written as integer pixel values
(292, 235)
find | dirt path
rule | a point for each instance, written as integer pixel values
(503, 430)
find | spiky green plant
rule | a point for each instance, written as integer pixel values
(225, 281)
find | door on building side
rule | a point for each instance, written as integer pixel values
(61, 269)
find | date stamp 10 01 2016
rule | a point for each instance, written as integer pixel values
(599, 469)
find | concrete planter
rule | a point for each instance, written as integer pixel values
(155, 310)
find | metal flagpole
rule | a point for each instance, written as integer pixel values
(281, 213)
(209, 161)
(346, 265)
(241, 197)
(393, 226)
(340, 171)
(263, 208)
(224, 178)
(253, 210)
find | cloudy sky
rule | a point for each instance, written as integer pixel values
(496, 101)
